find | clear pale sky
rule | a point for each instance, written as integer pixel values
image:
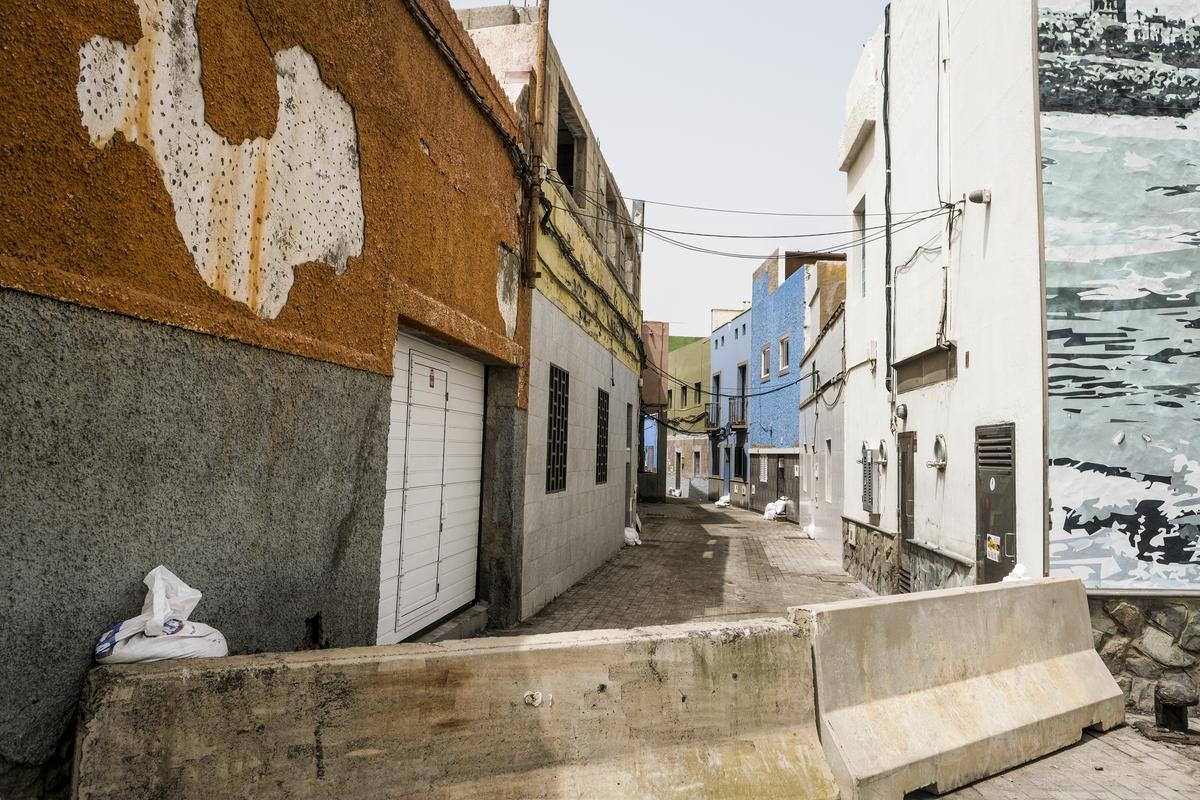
(721, 104)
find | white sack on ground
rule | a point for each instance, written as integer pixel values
(631, 537)
(162, 630)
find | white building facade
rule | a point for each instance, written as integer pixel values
(1022, 378)
(961, 321)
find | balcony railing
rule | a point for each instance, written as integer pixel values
(737, 412)
(712, 419)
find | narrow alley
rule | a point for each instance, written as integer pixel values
(698, 562)
(625, 400)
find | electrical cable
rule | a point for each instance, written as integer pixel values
(655, 368)
(736, 235)
(555, 178)
(904, 225)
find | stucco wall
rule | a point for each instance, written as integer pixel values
(779, 310)
(822, 417)
(691, 483)
(730, 347)
(689, 365)
(988, 124)
(257, 476)
(95, 222)
(570, 533)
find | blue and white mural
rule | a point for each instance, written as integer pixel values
(1120, 128)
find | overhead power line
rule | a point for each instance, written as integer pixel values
(655, 368)
(553, 177)
(706, 234)
(876, 236)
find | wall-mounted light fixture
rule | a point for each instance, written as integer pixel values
(982, 196)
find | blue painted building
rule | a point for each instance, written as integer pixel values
(777, 348)
(729, 408)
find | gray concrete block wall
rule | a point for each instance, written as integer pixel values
(568, 534)
(258, 477)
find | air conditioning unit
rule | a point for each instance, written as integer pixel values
(872, 485)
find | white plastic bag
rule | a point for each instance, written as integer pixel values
(631, 538)
(1017, 574)
(723, 502)
(770, 512)
(161, 631)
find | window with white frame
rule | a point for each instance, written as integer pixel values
(785, 354)
(765, 362)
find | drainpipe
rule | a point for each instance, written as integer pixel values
(538, 123)
(887, 198)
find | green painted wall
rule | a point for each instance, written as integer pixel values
(690, 364)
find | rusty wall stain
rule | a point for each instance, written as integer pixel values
(98, 227)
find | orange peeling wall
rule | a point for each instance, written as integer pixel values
(440, 201)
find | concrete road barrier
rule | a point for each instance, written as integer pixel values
(937, 689)
(695, 710)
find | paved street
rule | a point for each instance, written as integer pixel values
(699, 562)
(1118, 765)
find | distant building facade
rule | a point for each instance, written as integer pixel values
(1113, 9)
(690, 365)
(656, 399)
(728, 407)
(777, 347)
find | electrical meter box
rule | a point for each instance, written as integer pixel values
(995, 502)
(872, 486)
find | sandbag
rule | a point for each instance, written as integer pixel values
(162, 630)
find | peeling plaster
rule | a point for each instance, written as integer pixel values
(508, 288)
(248, 212)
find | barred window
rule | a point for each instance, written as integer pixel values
(602, 437)
(556, 430)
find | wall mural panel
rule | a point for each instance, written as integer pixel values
(1120, 132)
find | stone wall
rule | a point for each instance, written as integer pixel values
(1147, 642)
(929, 569)
(869, 554)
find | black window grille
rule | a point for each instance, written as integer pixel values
(602, 437)
(556, 430)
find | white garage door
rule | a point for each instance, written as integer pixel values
(431, 511)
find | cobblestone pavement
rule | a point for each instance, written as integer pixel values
(1118, 765)
(699, 562)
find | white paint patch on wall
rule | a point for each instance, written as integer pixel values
(508, 288)
(249, 212)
